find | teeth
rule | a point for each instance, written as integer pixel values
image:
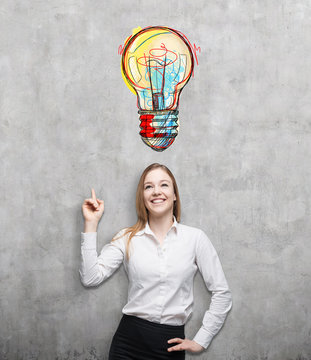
(157, 201)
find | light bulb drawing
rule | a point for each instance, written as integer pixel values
(157, 62)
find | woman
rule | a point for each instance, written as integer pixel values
(161, 257)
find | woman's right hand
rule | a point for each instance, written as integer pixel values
(92, 209)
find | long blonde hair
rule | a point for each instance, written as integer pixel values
(142, 212)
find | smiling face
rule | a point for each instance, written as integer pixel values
(159, 193)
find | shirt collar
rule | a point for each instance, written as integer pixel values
(147, 229)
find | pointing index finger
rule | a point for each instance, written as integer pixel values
(93, 195)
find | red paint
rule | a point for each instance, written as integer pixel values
(149, 134)
(147, 117)
(192, 51)
(148, 131)
(151, 57)
(195, 49)
(120, 49)
(146, 125)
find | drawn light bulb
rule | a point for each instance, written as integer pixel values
(157, 63)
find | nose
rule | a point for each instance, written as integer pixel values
(156, 190)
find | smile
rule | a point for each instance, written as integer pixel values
(157, 201)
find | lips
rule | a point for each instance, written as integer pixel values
(157, 201)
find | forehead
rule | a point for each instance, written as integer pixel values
(157, 175)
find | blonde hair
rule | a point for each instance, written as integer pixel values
(142, 212)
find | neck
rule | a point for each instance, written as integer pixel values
(161, 225)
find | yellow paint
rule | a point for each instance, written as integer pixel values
(128, 84)
(136, 30)
(160, 43)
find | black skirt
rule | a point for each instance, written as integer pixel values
(140, 339)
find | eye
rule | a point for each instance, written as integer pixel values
(147, 187)
(164, 184)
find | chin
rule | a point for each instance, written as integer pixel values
(161, 213)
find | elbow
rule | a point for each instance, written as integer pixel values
(89, 281)
(84, 280)
(85, 283)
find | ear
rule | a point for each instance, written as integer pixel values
(174, 197)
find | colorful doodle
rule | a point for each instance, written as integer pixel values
(157, 62)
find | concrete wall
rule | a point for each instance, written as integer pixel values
(241, 159)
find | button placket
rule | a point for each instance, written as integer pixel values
(163, 274)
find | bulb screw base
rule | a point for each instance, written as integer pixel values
(158, 128)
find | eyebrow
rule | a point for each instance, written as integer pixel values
(150, 182)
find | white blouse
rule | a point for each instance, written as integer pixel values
(161, 276)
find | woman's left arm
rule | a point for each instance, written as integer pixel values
(221, 302)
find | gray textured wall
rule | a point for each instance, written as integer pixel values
(242, 161)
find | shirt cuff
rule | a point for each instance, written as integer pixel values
(203, 337)
(88, 240)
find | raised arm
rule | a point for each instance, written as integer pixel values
(214, 278)
(95, 269)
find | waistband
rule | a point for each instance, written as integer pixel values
(152, 324)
